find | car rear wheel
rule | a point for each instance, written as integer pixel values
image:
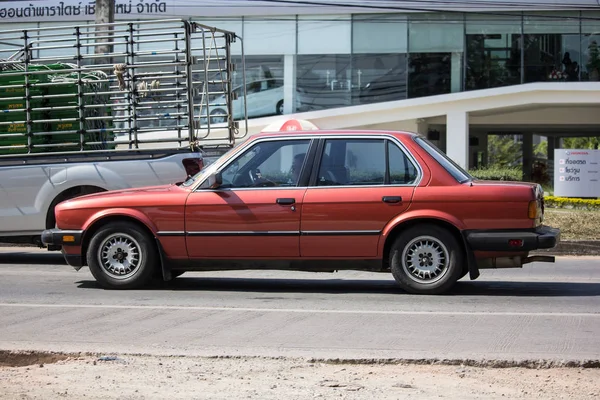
(426, 259)
(279, 108)
(120, 256)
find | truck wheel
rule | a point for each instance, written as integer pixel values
(120, 256)
(426, 259)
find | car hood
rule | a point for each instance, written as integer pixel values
(123, 197)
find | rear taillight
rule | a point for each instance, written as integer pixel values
(192, 165)
(533, 209)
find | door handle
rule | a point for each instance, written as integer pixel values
(286, 201)
(391, 199)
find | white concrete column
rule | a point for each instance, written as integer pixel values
(456, 70)
(289, 83)
(457, 137)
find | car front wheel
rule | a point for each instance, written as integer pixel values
(120, 256)
(426, 259)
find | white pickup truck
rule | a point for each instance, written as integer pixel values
(75, 121)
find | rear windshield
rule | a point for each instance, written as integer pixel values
(453, 169)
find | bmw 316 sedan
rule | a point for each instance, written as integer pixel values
(320, 201)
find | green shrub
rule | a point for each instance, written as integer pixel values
(572, 203)
(496, 173)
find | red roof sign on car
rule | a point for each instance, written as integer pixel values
(291, 125)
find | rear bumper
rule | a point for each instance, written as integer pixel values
(59, 237)
(543, 237)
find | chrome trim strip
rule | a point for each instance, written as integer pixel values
(243, 233)
(341, 233)
(283, 233)
(170, 233)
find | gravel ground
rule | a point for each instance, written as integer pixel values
(145, 377)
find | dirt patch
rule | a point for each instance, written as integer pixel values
(574, 225)
(25, 358)
(145, 377)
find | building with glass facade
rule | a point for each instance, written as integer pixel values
(458, 71)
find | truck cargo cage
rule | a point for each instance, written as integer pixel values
(154, 87)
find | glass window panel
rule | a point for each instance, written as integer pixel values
(272, 163)
(590, 22)
(380, 34)
(429, 74)
(590, 57)
(275, 35)
(551, 22)
(551, 46)
(378, 77)
(493, 51)
(323, 81)
(352, 162)
(481, 24)
(436, 33)
(590, 39)
(329, 34)
(402, 170)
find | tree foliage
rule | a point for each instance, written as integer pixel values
(589, 143)
(504, 151)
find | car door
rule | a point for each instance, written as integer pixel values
(255, 213)
(360, 184)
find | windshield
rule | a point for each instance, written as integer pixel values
(211, 168)
(449, 165)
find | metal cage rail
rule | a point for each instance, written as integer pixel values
(152, 85)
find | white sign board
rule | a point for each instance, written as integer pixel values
(576, 173)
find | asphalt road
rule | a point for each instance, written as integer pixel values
(544, 311)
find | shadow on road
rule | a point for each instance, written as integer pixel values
(526, 289)
(50, 258)
(343, 286)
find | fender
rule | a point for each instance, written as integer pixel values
(416, 214)
(120, 212)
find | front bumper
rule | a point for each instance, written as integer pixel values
(60, 237)
(543, 237)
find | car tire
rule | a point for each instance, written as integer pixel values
(426, 259)
(279, 108)
(120, 256)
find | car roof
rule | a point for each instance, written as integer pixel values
(319, 132)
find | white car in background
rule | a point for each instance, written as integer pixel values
(264, 97)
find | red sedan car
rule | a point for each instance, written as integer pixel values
(318, 201)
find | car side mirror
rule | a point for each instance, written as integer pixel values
(215, 180)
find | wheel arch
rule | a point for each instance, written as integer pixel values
(394, 231)
(135, 217)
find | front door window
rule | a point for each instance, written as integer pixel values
(267, 164)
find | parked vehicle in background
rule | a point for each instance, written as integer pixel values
(263, 98)
(74, 122)
(319, 201)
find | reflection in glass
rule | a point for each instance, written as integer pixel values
(429, 74)
(323, 81)
(378, 77)
(493, 45)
